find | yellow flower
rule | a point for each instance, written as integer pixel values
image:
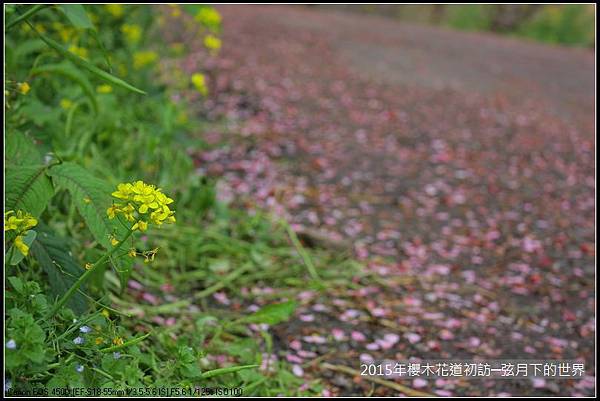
(19, 221)
(199, 82)
(80, 51)
(66, 33)
(66, 104)
(99, 340)
(132, 252)
(23, 87)
(112, 211)
(140, 225)
(141, 199)
(132, 32)
(105, 313)
(149, 255)
(212, 43)
(118, 341)
(209, 17)
(104, 88)
(143, 58)
(21, 246)
(40, 28)
(175, 10)
(88, 266)
(116, 10)
(113, 240)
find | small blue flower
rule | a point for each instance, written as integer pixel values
(78, 340)
(79, 368)
(116, 355)
(85, 329)
(11, 344)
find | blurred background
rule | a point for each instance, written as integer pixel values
(566, 24)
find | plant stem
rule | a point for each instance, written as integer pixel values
(26, 15)
(85, 276)
(301, 251)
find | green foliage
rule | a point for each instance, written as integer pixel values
(54, 257)
(98, 109)
(468, 17)
(29, 189)
(77, 15)
(92, 197)
(569, 24)
(272, 314)
(566, 24)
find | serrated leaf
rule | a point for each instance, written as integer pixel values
(77, 15)
(91, 196)
(54, 256)
(20, 150)
(28, 188)
(272, 314)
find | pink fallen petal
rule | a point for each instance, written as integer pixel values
(412, 338)
(358, 336)
(297, 370)
(338, 334)
(419, 383)
(446, 334)
(538, 382)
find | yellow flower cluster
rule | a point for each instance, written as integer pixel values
(208, 17)
(212, 43)
(116, 10)
(199, 82)
(20, 222)
(142, 204)
(132, 32)
(66, 33)
(143, 58)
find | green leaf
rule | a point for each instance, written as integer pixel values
(16, 255)
(29, 337)
(28, 188)
(54, 256)
(91, 195)
(272, 314)
(87, 65)
(27, 14)
(17, 284)
(222, 371)
(73, 74)
(77, 15)
(20, 150)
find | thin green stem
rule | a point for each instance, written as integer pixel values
(27, 14)
(301, 251)
(84, 277)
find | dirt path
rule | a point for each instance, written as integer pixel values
(460, 165)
